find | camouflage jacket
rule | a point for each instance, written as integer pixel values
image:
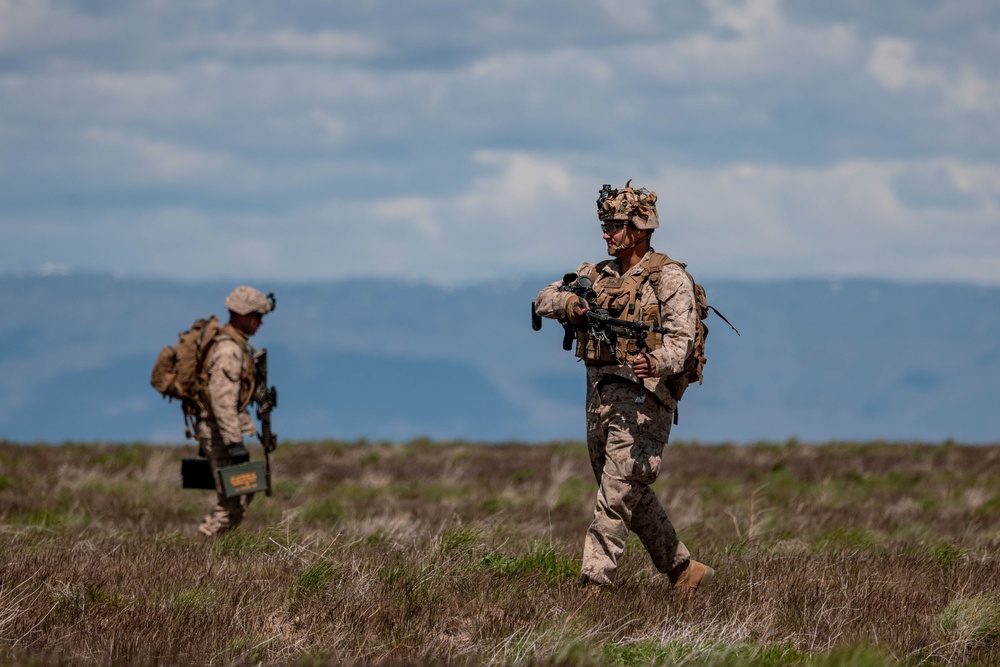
(230, 386)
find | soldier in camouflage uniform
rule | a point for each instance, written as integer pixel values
(626, 437)
(220, 428)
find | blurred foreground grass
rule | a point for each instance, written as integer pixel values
(468, 554)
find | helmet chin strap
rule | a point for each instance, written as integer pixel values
(626, 246)
(620, 247)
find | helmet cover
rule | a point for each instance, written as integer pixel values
(245, 300)
(629, 204)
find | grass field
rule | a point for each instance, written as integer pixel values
(466, 554)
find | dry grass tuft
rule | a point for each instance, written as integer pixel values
(464, 554)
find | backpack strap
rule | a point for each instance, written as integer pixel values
(654, 267)
(716, 311)
(651, 273)
(708, 306)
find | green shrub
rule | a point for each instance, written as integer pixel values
(946, 555)
(541, 559)
(329, 510)
(860, 655)
(574, 493)
(314, 579)
(971, 620)
(193, 601)
(244, 543)
(459, 539)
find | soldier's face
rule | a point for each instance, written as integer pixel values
(616, 235)
(249, 323)
(613, 232)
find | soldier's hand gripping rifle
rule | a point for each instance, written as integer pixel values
(266, 399)
(599, 323)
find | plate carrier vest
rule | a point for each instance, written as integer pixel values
(620, 297)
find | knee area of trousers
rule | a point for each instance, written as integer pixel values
(644, 474)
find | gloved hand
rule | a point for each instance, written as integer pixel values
(237, 452)
(236, 449)
(574, 309)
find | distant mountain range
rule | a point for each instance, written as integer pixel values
(817, 361)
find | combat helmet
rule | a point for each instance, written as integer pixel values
(245, 300)
(629, 204)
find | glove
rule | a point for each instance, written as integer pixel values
(574, 309)
(236, 449)
(237, 453)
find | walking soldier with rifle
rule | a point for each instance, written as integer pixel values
(637, 323)
(217, 374)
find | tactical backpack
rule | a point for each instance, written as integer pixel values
(695, 362)
(179, 371)
(694, 365)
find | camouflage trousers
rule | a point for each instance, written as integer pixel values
(228, 512)
(625, 440)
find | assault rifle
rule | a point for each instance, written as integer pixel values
(266, 399)
(600, 324)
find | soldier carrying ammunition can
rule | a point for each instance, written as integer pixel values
(223, 422)
(216, 374)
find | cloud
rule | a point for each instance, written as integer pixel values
(746, 17)
(525, 182)
(893, 64)
(140, 90)
(459, 142)
(322, 43)
(846, 219)
(935, 186)
(420, 213)
(527, 214)
(749, 41)
(334, 127)
(31, 24)
(508, 218)
(157, 159)
(628, 14)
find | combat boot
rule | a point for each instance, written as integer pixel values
(687, 581)
(222, 518)
(590, 588)
(209, 527)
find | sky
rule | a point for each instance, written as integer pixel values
(459, 142)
